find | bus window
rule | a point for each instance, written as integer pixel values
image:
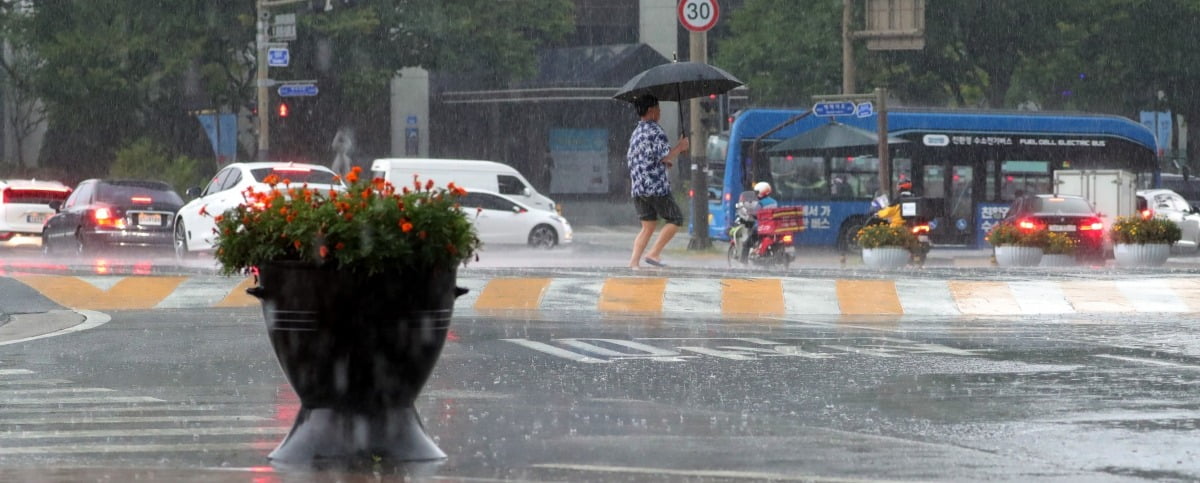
(934, 182)
(901, 171)
(798, 177)
(854, 177)
(1029, 176)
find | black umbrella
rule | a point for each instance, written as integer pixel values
(831, 139)
(678, 81)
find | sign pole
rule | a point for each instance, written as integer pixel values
(264, 108)
(885, 162)
(698, 49)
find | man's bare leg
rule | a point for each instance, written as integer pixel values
(640, 242)
(664, 237)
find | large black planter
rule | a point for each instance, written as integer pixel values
(357, 350)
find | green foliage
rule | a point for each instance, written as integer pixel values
(1007, 234)
(884, 235)
(1140, 231)
(144, 159)
(1060, 244)
(364, 229)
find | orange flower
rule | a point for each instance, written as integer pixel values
(366, 195)
(324, 251)
(451, 249)
(218, 218)
(422, 234)
(458, 191)
(406, 190)
(349, 216)
(352, 177)
(428, 185)
(271, 180)
(406, 226)
(333, 194)
(287, 182)
(339, 246)
(296, 243)
(204, 210)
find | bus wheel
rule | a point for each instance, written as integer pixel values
(847, 237)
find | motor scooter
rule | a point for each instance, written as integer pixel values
(910, 212)
(763, 236)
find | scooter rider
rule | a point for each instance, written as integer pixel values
(763, 189)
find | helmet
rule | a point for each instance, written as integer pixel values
(762, 188)
(905, 185)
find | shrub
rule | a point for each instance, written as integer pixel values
(1006, 234)
(145, 159)
(1060, 244)
(884, 235)
(1140, 231)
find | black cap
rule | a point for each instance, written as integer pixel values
(644, 102)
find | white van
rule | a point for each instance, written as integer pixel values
(484, 175)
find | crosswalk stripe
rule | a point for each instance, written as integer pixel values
(1188, 292)
(156, 407)
(89, 419)
(1040, 297)
(1095, 296)
(15, 372)
(57, 390)
(692, 295)
(77, 400)
(197, 292)
(1151, 296)
(756, 296)
(474, 287)
(136, 448)
(571, 294)
(128, 293)
(504, 294)
(982, 298)
(238, 296)
(140, 432)
(810, 297)
(32, 382)
(925, 297)
(868, 297)
(632, 295)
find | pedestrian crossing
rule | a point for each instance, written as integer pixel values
(723, 297)
(54, 418)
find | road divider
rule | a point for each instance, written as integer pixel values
(755, 297)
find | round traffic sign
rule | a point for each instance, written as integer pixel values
(698, 15)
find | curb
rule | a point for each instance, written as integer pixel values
(518, 294)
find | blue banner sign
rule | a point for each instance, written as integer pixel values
(296, 90)
(827, 109)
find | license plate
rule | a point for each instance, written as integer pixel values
(1062, 228)
(38, 218)
(150, 219)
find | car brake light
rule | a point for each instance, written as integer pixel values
(142, 200)
(106, 217)
(1147, 213)
(1027, 225)
(102, 214)
(691, 193)
(4, 195)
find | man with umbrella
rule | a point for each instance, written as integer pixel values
(650, 154)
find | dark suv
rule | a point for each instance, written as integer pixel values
(1071, 215)
(111, 213)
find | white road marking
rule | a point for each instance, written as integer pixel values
(657, 473)
(1040, 297)
(474, 287)
(91, 319)
(75, 419)
(57, 390)
(199, 292)
(104, 283)
(146, 408)
(78, 400)
(136, 448)
(138, 433)
(1151, 296)
(571, 294)
(692, 295)
(555, 351)
(810, 297)
(926, 297)
(33, 382)
(14, 372)
(1153, 362)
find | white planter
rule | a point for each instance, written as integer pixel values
(1148, 255)
(1015, 256)
(886, 257)
(1057, 260)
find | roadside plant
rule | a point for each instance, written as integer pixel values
(369, 227)
(1007, 234)
(884, 235)
(1060, 244)
(1135, 230)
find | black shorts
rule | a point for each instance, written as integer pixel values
(651, 208)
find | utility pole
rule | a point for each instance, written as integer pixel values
(847, 47)
(698, 52)
(262, 81)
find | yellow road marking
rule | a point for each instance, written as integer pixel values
(1095, 296)
(512, 294)
(983, 298)
(238, 296)
(632, 295)
(763, 296)
(868, 297)
(129, 293)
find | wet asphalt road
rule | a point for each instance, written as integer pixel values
(571, 396)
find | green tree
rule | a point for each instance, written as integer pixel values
(146, 159)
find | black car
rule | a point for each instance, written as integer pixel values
(1071, 215)
(112, 213)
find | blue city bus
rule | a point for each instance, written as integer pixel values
(969, 162)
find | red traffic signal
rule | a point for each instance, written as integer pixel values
(283, 109)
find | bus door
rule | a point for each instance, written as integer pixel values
(952, 187)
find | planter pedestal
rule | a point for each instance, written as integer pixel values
(357, 350)
(1148, 255)
(1018, 256)
(1057, 260)
(886, 257)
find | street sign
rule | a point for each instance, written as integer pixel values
(297, 90)
(838, 108)
(278, 57)
(698, 15)
(865, 109)
(284, 27)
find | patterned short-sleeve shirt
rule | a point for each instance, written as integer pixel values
(647, 147)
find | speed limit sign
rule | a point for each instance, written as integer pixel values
(698, 15)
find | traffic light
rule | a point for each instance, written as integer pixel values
(710, 116)
(283, 110)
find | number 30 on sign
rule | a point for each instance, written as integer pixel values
(698, 15)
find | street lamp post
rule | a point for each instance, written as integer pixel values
(262, 81)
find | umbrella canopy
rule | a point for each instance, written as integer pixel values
(678, 81)
(832, 139)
